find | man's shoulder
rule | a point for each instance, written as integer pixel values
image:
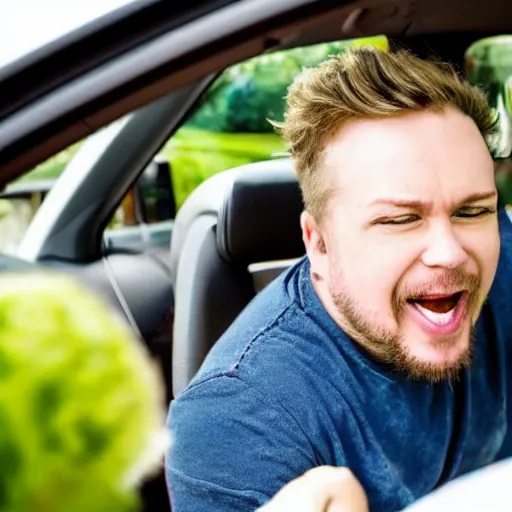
(275, 345)
(496, 317)
(501, 291)
(258, 320)
(270, 370)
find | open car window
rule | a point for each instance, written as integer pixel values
(230, 126)
(20, 201)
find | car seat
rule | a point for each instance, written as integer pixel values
(235, 233)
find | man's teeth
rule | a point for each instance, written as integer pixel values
(437, 318)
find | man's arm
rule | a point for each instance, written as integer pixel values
(233, 448)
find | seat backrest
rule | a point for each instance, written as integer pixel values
(236, 232)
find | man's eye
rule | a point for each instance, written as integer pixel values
(473, 212)
(404, 219)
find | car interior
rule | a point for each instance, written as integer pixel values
(126, 83)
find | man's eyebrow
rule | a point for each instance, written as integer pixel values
(422, 205)
(482, 196)
(402, 203)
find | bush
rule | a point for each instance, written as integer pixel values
(80, 401)
(195, 155)
(247, 94)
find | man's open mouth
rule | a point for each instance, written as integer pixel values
(444, 312)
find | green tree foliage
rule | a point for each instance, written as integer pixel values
(489, 61)
(489, 65)
(248, 94)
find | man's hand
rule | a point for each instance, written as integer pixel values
(323, 489)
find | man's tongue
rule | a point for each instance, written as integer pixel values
(439, 310)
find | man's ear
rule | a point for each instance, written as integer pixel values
(315, 245)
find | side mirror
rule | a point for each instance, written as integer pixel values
(151, 199)
(25, 197)
(19, 203)
(34, 191)
(155, 192)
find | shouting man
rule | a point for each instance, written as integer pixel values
(387, 349)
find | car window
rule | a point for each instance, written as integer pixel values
(20, 200)
(488, 64)
(230, 127)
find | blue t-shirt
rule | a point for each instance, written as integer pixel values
(285, 390)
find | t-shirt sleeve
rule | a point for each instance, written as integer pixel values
(233, 448)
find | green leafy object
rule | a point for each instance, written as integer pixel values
(80, 401)
(247, 94)
(196, 155)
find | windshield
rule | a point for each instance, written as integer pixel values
(26, 25)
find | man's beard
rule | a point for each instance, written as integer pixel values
(388, 347)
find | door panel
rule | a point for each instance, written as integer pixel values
(137, 286)
(144, 237)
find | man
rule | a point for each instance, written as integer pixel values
(385, 350)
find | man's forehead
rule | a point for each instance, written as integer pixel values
(415, 157)
(407, 125)
(422, 189)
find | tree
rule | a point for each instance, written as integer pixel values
(247, 94)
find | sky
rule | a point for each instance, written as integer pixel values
(27, 24)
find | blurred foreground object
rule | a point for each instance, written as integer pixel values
(81, 416)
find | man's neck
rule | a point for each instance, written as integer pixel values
(362, 344)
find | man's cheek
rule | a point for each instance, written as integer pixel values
(489, 264)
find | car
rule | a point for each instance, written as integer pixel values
(115, 108)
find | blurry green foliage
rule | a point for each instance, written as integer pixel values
(195, 155)
(489, 61)
(80, 401)
(489, 65)
(247, 94)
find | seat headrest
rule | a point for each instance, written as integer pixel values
(257, 207)
(260, 216)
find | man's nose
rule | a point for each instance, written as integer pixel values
(444, 248)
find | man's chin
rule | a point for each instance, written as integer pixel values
(437, 358)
